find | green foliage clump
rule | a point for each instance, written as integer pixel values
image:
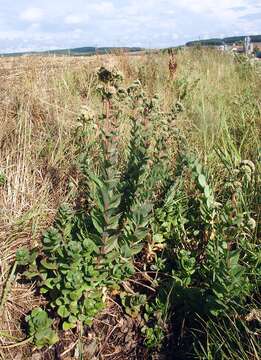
(151, 211)
(90, 250)
(40, 328)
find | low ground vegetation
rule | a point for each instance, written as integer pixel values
(130, 208)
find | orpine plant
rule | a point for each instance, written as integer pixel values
(89, 250)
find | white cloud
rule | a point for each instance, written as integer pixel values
(103, 7)
(231, 9)
(75, 19)
(10, 35)
(32, 14)
(174, 36)
(35, 27)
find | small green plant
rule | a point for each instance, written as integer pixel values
(133, 303)
(40, 328)
(155, 324)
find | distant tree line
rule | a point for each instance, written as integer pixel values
(78, 51)
(225, 41)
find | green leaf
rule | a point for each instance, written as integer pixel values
(58, 302)
(96, 179)
(202, 180)
(69, 325)
(23, 257)
(75, 295)
(209, 201)
(136, 249)
(126, 251)
(74, 307)
(198, 167)
(63, 311)
(97, 221)
(207, 191)
(72, 319)
(43, 290)
(234, 258)
(48, 265)
(158, 238)
(48, 283)
(31, 274)
(90, 245)
(111, 244)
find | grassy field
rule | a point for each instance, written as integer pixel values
(130, 207)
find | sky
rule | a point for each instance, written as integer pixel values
(27, 25)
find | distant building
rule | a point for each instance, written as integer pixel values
(247, 45)
(238, 48)
(223, 47)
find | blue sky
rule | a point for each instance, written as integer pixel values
(50, 24)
